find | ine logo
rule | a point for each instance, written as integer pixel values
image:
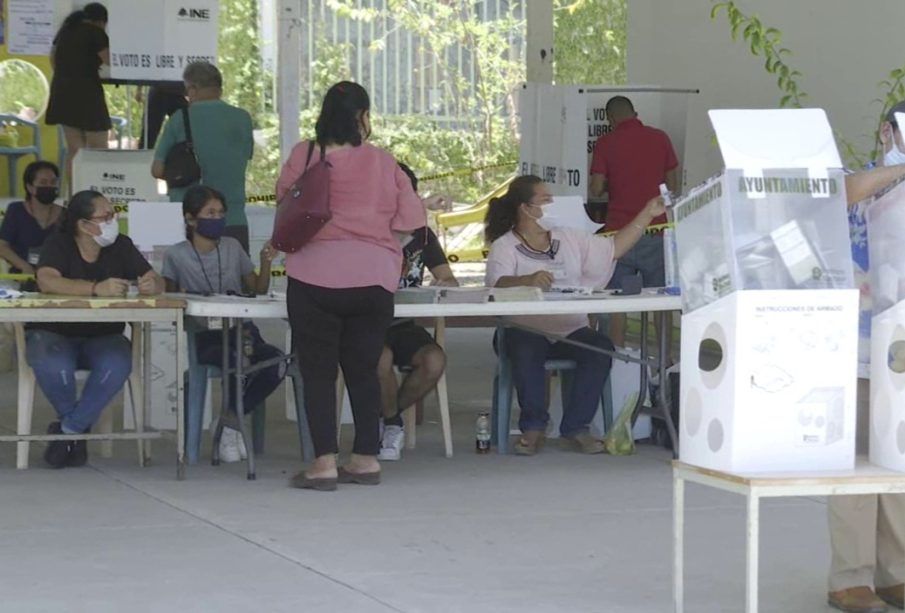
(188, 14)
(114, 176)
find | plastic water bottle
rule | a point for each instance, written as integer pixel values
(482, 433)
(670, 262)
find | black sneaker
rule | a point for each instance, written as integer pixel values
(78, 453)
(57, 452)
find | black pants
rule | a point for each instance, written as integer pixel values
(344, 327)
(163, 102)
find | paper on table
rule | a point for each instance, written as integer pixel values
(568, 212)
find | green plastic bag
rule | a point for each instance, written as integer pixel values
(620, 440)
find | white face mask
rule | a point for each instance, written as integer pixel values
(894, 156)
(109, 232)
(546, 220)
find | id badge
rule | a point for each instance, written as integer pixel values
(33, 256)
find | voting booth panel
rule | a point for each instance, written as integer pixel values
(561, 123)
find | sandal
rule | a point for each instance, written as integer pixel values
(320, 484)
(372, 478)
(582, 442)
(529, 443)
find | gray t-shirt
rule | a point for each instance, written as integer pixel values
(217, 272)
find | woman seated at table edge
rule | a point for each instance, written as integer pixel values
(28, 223)
(87, 257)
(527, 249)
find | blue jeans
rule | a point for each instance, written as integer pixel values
(528, 351)
(55, 358)
(646, 259)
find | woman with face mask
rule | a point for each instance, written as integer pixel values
(86, 257)
(27, 224)
(210, 263)
(528, 249)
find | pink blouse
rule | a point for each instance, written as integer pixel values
(370, 199)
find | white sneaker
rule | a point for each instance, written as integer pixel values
(391, 445)
(229, 446)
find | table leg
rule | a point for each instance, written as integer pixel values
(678, 542)
(146, 387)
(662, 397)
(753, 520)
(180, 405)
(643, 383)
(224, 390)
(240, 404)
(442, 390)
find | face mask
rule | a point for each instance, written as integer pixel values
(210, 227)
(109, 232)
(46, 195)
(545, 220)
(894, 156)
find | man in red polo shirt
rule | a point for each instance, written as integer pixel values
(630, 163)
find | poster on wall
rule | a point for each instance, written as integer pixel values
(31, 26)
(154, 41)
(561, 123)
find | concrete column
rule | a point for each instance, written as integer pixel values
(539, 15)
(289, 54)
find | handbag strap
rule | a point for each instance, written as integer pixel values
(188, 127)
(310, 151)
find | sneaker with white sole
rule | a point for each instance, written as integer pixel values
(229, 446)
(391, 444)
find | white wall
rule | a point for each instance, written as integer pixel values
(844, 48)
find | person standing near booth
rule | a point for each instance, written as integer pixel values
(223, 144)
(629, 164)
(77, 100)
(867, 533)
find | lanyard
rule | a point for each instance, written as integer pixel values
(204, 272)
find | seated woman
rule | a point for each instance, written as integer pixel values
(524, 252)
(28, 223)
(87, 257)
(210, 263)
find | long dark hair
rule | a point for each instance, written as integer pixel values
(502, 213)
(32, 170)
(94, 11)
(338, 121)
(195, 199)
(80, 207)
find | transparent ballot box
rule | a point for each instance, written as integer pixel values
(885, 218)
(761, 226)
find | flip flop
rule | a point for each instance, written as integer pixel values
(320, 484)
(372, 478)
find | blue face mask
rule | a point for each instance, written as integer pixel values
(210, 227)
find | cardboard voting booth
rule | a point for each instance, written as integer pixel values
(121, 175)
(769, 326)
(885, 224)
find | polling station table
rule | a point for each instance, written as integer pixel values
(865, 478)
(649, 301)
(142, 311)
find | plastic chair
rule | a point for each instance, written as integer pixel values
(13, 153)
(501, 411)
(26, 396)
(199, 379)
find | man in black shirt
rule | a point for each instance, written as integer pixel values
(409, 347)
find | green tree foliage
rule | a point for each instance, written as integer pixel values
(589, 41)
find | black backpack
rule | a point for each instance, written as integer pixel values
(181, 166)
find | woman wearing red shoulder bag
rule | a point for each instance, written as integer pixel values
(341, 282)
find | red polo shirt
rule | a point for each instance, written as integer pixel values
(634, 158)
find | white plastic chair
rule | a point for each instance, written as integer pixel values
(26, 397)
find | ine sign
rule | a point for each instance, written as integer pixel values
(155, 41)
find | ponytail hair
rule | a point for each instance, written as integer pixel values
(502, 213)
(80, 207)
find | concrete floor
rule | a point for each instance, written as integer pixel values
(556, 532)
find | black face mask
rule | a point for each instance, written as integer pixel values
(46, 195)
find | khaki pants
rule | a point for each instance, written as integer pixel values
(867, 533)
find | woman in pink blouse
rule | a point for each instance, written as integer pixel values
(525, 250)
(341, 283)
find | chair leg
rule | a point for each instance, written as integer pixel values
(445, 422)
(194, 411)
(606, 405)
(135, 391)
(105, 426)
(25, 409)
